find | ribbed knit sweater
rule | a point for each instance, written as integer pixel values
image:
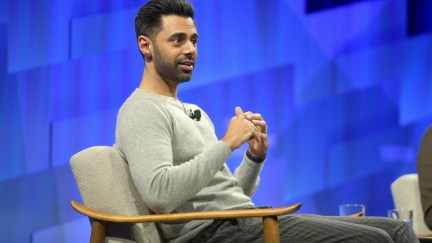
(178, 163)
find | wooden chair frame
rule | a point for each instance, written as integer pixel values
(268, 215)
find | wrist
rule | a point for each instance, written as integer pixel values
(254, 158)
(229, 143)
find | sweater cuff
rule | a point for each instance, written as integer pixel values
(257, 160)
(226, 150)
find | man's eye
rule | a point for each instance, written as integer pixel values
(177, 40)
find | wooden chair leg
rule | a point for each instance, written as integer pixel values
(98, 231)
(271, 229)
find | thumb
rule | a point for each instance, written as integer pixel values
(238, 111)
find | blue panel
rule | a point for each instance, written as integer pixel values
(93, 83)
(416, 87)
(319, 125)
(83, 86)
(334, 30)
(320, 83)
(341, 32)
(28, 204)
(367, 190)
(358, 70)
(3, 53)
(37, 201)
(419, 17)
(70, 232)
(34, 107)
(4, 12)
(68, 90)
(231, 46)
(11, 142)
(273, 181)
(72, 135)
(368, 155)
(379, 26)
(38, 33)
(103, 32)
(66, 190)
(319, 5)
(83, 8)
(357, 142)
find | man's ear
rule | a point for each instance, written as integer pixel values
(145, 45)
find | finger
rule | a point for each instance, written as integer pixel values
(255, 133)
(256, 116)
(248, 115)
(241, 116)
(238, 111)
(260, 123)
(253, 116)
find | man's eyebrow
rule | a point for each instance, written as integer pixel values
(176, 34)
(182, 34)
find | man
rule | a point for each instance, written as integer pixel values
(178, 164)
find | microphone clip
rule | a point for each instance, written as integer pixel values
(196, 114)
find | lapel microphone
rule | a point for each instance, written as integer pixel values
(196, 114)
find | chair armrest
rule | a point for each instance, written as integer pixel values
(359, 214)
(154, 218)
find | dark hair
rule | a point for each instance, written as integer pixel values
(148, 20)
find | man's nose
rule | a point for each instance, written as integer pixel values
(190, 48)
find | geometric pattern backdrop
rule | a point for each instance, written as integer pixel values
(345, 86)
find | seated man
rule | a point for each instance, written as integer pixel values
(424, 168)
(178, 164)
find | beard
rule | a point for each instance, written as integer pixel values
(170, 71)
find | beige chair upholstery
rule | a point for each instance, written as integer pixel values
(105, 184)
(406, 195)
(117, 212)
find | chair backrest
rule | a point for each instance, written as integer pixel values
(406, 195)
(424, 170)
(105, 184)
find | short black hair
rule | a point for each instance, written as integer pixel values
(148, 20)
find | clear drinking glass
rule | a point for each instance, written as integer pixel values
(405, 215)
(350, 209)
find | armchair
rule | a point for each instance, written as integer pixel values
(406, 194)
(117, 212)
(414, 191)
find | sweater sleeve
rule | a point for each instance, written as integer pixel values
(144, 133)
(247, 174)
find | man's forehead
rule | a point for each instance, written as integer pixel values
(175, 23)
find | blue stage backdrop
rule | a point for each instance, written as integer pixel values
(345, 86)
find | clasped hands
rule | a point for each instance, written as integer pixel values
(247, 127)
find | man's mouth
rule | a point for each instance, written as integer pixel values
(187, 65)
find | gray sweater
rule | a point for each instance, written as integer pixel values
(178, 164)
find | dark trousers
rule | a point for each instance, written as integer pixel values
(311, 228)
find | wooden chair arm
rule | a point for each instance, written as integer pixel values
(154, 218)
(359, 214)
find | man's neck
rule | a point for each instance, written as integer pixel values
(151, 81)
